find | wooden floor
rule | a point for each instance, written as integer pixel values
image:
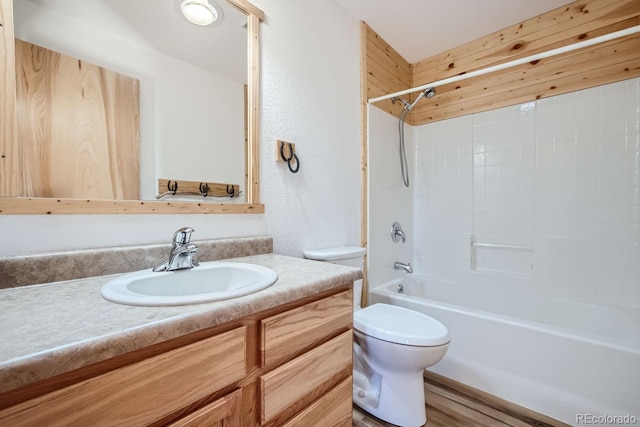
(451, 404)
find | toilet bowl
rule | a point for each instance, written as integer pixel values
(391, 348)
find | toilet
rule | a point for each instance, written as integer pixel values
(391, 348)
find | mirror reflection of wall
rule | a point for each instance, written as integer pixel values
(192, 119)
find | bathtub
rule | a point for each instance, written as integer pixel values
(565, 360)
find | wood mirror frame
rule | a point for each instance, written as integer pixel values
(10, 175)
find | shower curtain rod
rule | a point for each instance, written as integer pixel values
(531, 58)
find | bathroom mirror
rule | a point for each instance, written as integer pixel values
(183, 127)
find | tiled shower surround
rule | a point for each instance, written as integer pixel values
(557, 178)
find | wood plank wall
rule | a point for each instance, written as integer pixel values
(581, 20)
(386, 70)
(78, 127)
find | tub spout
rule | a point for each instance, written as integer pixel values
(402, 266)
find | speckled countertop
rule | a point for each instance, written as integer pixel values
(50, 329)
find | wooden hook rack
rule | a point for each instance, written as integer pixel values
(212, 189)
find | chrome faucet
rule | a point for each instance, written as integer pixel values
(402, 266)
(182, 252)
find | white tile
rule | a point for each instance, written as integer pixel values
(614, 206)
(545, 119)
(562, 172)
(613, 105)
(564, 120)
(514, 171)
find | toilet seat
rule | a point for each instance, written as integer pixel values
(400, 325)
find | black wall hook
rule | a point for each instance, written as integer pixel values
(297, 162)
(204, 189)
(292, 156)
(172, 187)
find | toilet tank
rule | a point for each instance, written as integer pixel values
(351, 256)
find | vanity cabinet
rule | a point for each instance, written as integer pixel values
(290, 365)
(142, 392)
(296, 335)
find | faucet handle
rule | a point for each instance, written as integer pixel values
(183, 235)
(397, 233)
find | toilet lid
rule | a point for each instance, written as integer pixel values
(334, 254)
(400, 325)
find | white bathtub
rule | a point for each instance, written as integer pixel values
(561, 359)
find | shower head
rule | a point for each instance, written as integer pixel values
(428, 92)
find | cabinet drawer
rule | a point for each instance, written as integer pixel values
(224, 412)
(332, 409)
(282, 387)
(287, 334)
(143, 392)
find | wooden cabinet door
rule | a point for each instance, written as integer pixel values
(331, 410)
(288, 334)
(224, 412)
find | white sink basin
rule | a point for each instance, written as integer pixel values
(211, 281)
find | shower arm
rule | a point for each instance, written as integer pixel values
(407, 106)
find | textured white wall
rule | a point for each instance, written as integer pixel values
(310, 96)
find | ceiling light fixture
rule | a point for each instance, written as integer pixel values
(199, 12)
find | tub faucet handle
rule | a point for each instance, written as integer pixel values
(397, 233)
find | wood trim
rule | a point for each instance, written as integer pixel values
(253, 119)
(364, 164)
(246, 139)
(10, 163)
(13, 206)
(467, 403)
(247, 8)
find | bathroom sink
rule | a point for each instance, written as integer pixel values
(211, 281)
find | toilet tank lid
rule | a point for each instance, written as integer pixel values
(332, 254)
